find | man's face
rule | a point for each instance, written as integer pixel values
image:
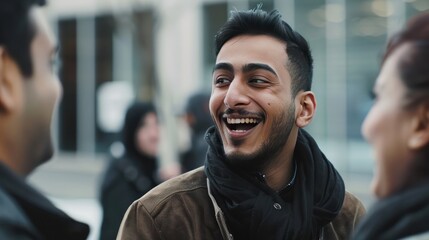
(251, 102)
(41, 92)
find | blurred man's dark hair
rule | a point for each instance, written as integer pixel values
(17, 31)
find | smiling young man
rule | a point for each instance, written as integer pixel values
(29, 91)
(264, 176)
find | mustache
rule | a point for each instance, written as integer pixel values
(242, 112)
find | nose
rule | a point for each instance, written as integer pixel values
(154, 131)
(59, 89)
(237, 94)
(366, 127)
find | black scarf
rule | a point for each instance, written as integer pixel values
(255, 211)
(396, 217)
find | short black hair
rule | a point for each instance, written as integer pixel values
(17, 31)
(260, 22)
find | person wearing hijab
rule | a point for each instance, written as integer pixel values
(133, 174)
(397, 127)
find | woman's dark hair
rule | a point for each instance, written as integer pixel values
(259, 22)
(17, 31)
(414, 66)
(135, 113)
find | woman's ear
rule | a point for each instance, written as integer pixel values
(305, 108)
(419, 137)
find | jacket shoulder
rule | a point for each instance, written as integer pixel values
(346, 221)
(13, 221)
(179, 205)
(190, 183)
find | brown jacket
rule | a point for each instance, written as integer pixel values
(181, 208)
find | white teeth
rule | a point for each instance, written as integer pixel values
(239, 130)
(241, 120)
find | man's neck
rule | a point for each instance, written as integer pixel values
(280, 171)
(278, 176)
(11, 162)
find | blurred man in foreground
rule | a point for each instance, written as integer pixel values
(29, 91)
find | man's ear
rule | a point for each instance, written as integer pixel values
(305, 108)
(8, 81)
(419, 136)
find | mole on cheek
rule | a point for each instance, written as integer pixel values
(269, 104)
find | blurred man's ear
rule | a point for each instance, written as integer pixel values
(419, 137)
(9, 72)
(305, 107)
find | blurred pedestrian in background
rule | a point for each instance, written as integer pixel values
(398, 129)
(29, 92)
(197, 115)
(134, 173)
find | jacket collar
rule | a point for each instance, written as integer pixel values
(51, 222)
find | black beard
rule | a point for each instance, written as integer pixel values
(280, 131)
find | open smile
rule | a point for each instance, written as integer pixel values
(240, 126)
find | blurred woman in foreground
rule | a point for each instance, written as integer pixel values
(398, 128)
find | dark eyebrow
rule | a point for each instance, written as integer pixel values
(223, 66)
(255, 66)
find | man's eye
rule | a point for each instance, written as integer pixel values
(257, 81)
(222, 81)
